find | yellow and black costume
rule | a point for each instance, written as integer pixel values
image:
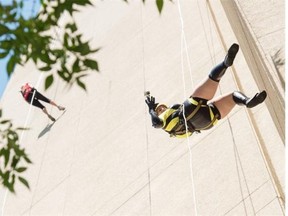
(198, 115)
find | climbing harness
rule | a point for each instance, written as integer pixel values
(173, 120)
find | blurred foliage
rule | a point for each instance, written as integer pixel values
(13, 158)
(56, 48)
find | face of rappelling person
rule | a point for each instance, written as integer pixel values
(160, 109)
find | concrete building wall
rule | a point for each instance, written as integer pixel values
(102, 157)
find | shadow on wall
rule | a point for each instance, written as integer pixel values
(49, 126)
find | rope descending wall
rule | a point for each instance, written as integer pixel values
(264, 152)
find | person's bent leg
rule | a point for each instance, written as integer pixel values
(58, 106)
(207, 88)
(43, 108)
(45, 99)
(224, 104)
(227, 102)
(49, 116)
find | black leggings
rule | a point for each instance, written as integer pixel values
(38, 96)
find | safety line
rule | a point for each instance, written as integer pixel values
(23, 132)
(146, 127)
(44, 152)
(239, 164)
(204, 30)
(184, 43)
(210, 28)
(264, 152)
(42, 160)
(254, 128)
(236, 152)
(26, 121)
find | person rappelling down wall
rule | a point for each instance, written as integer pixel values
(201, 111)
(29, 94)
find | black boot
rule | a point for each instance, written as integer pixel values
(257, 99)
(241, 99)
(218, 71)
(229, 58)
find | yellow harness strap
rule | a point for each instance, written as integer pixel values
(213, 121)
(179, 126)
(198, 106)
(214, 118)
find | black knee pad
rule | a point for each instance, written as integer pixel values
(239, 98)
(217, 72)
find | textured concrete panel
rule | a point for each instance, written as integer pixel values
(102, 156)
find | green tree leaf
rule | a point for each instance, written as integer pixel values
(21, 169)
(27, 159)
(46, 68)
(6, 156)
(34, 39)
(5, 121)
(15, 161)
(24, 181)
(49, 80)
(3, 54)
(81, 84)
(3, 29)
(76, 68)
(91, 64)
(71, 26)
(160, 4)
(11, 65)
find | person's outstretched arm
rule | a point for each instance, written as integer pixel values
(156, 121)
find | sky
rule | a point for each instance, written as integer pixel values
(30, 7)
(3, 76)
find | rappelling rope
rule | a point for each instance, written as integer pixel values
(24, 131)
(30, 107)
(265, 156)
(236, 152)
(28, 116)
(184, 43)
(146, 127)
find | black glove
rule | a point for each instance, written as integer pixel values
(150, 101)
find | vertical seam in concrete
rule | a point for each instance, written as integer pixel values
(145, 122)
(69, 176)
(39, 80)
(266, 158)
(256, 64)
(43, 156)
(38, 176)
(236, 153)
